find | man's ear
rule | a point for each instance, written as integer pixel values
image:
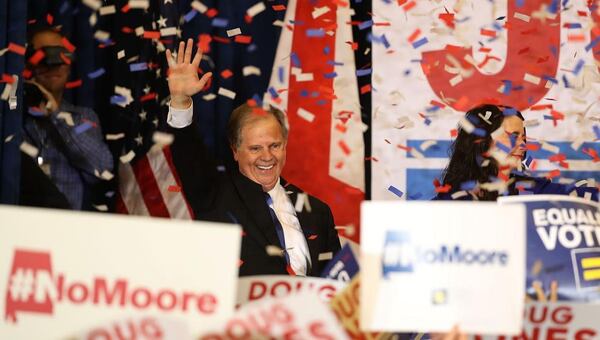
(234, 151)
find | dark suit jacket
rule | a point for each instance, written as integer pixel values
(233, 198)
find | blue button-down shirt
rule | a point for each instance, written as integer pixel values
(73, 169)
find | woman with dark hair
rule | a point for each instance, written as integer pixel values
(486, 159)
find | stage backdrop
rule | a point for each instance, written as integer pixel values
(433, 60)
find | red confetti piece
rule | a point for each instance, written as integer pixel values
(453, 133)
(443, 189)
(541, 107)
(18, 49)
(243, 39)
(438, 104)
(488, 33)
(447, 18)
(340, 127)
(148, 96)
(313, 237)
(344, 147)
(204, 43)
(174, 188)
(67, 44)
(151, 35)
(365, 89)
(290, 271)
(73, 84)
(221, 39)
(339, 165)
(374, 159)
(532, 146)
(211, 13)
(7, 78)
(354, 45)
(49, 19)
(576, 37)
(401, 2)
(485, 49)
(126, 29)
(462, 104)
(278, 8)
(409, 6)
(553, 173)
(248, 19)
(340, 3)
(27, 74)
(582, 13)
(125, 8)
(37, 57)
(226, 74)
(64, 58)
(405, 148)
(592, 153)
(414, 35)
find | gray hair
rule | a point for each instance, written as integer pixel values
(244, 114)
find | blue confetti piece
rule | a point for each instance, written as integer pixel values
(553, 7)
(566, 81)
(303, 93)
(252, 48)
(507, 87)
(322, 102)
(427, 121)
(190, 15)
(314, 94)
(378, 40)
(315, 32)
(520, 3)
(509, 111)
(295, 60)
(504, 148)
(258, 100)
(528, 161)
(365, 24)
(117, 99)
(407, 72)
(597, 131)
(64, 7)
(96, 74)
(297, 22)
(220, 22)
(330, 75)
(395, 191)
(281, 74)
(550, 79)
(138, 67)
(468, 185)
(36, 112)
(480, 133)
(363, 72)
(432, 109)
(573, 25)
(273, 93)
(81, 128)
(579, 66)
(326, 50)
(334, 63)
(497, 26)
(592, 44)
(420, 42)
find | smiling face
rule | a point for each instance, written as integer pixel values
(53, 78)
(512, 135)
(261, 151)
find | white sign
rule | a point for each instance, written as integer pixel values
(553, 321)
(427, 266)
(64, 272)
(300, 316)
(252, 288)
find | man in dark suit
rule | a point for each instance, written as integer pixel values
(284, 229)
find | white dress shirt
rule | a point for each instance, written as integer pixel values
(295, 242)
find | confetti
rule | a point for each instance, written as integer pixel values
(115, 136)
(325, 256)
(531, 79)
(226, 93)
(96, 74)
(15, 48)
(106, 10)
(126, 158)
(199, 6)
(138, 67)
(395, 191)
(304, 114)
(256, 9)
(139, 4)
(318, 11)
(220, 22)
(234, 32)
(29, 149)
(274, 250)
(251, 70)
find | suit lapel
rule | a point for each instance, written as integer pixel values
(253, 198)
(307, 225)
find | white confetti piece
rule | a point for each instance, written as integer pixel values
(2, 51)
(318, 11)
(416, 154)
(93, 4)
(106, 175)
(101, 207)
(299, 202)
(6, 92)
(140, 4)
(531, 123)
(427, 144)
(551, 148)
(226, 93)
(325, 256)
(466, 125)
(257, 8)
(459, 194)
(106, 10)
(209, 97)
(126, 158)
(577, 143)
(67, 117)
(233, 32)
(274, 250)
(308, 116)
(121, 54)
(251, 70)
(455, 80)
(29, 149)
(162, 138)
(200, 7)
(9, 138)
(304, 77)
(522, 16)
(114, 136)
(139, 31)
(278, 23)
(530, 78)
(168, 31)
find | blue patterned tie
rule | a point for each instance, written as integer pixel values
(278, 227)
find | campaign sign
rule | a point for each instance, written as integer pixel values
(138, 328)
(563, 245)
(554, 321)
(64, 272)
(252, 288)
(427, 266)
(343, 266)
(300, 316)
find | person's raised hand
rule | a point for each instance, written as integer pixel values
(183, 75)
(454, 334)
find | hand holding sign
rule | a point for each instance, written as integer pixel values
(183, 75)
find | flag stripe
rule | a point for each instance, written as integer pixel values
(149, 188)
(130, 193)
(173, 200)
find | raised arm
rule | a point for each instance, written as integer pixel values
(183, 75)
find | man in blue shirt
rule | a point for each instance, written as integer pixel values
(69, 141)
